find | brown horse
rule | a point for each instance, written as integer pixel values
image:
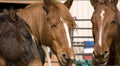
(51, 23)
(106, 32)
(17, 47)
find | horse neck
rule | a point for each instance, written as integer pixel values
(36, 20)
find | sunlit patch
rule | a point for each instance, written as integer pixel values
(33, 38)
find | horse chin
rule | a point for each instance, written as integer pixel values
(69, 62)
(101, 62)
(65, 62)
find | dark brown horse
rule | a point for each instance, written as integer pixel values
(17, 46)
(106, 32)
(51, 23)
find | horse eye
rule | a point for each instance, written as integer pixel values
(28, 36)
(113, 22)
(53, 26)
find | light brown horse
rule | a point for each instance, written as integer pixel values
(106, 33)
(51, 23)
(17, 46)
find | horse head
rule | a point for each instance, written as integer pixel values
(104, 27)
(17, 45)
(56, 30)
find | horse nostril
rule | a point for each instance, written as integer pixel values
(106, 52)
(64, 56)
(95, 55)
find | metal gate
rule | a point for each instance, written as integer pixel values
(82, 39)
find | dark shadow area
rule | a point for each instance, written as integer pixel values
(14, 5)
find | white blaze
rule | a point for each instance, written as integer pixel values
(67, 34)
(100, 34)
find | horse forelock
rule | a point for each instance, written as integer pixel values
(65, 15)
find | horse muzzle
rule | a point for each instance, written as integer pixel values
(65, 60)
(101, 59)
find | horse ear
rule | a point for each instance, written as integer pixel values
(94, 2)
(6, 11)
(115, 2)
(47, 4)
(68, 3)
(13, 15)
